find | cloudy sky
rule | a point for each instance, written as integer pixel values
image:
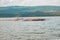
(29, 2)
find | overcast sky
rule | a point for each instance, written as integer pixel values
(29, 2)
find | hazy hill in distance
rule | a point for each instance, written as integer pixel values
(29, 11)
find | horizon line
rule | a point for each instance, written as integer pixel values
(30, 6)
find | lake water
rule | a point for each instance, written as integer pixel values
(31, 30)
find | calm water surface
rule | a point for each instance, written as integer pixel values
(31, 30)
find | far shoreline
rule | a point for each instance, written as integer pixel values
(32, 16)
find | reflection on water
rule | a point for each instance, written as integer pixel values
(31, 30)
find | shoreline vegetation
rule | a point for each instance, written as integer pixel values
(23, 19)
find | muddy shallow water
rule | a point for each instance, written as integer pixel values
(31, 30)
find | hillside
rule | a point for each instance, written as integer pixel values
(29, 11)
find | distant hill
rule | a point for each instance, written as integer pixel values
(29, 11)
